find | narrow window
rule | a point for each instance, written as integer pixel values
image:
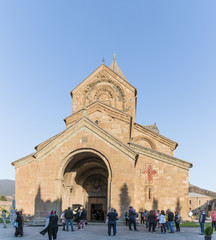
(149, 193)
(190, 201)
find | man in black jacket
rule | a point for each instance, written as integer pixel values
(170, 220)
(69, 219)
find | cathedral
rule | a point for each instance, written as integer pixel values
(103, 158)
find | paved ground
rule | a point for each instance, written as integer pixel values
(99, 232)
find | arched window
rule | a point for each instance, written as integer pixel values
(149, 194)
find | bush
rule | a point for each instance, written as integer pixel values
(3, 198)
(208, 231)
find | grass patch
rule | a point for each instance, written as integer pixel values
(7, 221)
(193, 224)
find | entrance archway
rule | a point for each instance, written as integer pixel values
(85, 182)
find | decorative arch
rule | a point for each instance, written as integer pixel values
(145, 139)
(63, 164)
(75, 168)
(108, 92)
(110, 87)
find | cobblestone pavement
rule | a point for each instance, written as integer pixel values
(99, 232)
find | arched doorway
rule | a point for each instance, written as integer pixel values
(85, 182)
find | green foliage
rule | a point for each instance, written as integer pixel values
(208, 231)
(193, 224)
(3, 198)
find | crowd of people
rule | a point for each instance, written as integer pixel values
(152, 220)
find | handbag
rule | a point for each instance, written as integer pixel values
(15, 224)
(43, 232)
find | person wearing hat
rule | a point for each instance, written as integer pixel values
(53, 225)
(112, 217)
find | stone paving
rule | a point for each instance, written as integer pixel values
(99, 232)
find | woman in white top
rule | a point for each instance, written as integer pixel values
(162, 222)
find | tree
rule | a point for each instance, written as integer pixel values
(3, 198)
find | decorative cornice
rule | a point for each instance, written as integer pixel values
(160, 156)
(23, 161)
(102, 107)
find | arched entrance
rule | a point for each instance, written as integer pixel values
(85, 182)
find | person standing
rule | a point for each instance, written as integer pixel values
(162, 221)
(112, 217)
(167, 223)
(213, 217)
(21, 215)
(4, 218)
(69, 219)
(19, 225)
(190, 214)
(83, 218)
(132, 219)
(202, 219)
(141, 217)
(63, 220)
(151, 219)
(177, 221)
(145, 215)
(126, 218)
(170, 220)
(53, 226)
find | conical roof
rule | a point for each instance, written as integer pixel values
(115, 68)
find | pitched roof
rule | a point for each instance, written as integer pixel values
(116, 69)
(152, 128)
(160, 156)
(192, 194)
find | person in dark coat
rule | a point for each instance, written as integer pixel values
(69, 219)
(53, 225)
(19, 227)
(132, 218)
(112, 217)
(151, 219)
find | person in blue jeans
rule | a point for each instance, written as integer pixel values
(170, 220)
(112, 217)
(202, 219)
(69, 218)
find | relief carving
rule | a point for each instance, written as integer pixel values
(103, 85)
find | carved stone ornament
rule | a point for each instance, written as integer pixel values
(150, 173)
(102, 74)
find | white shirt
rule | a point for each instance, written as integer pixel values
(162, 219)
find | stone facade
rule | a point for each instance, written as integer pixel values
(103, 158)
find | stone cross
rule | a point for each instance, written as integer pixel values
(150, 173)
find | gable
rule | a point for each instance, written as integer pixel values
(161, 156)
(161, 143)
(107, 87)
(87, 125)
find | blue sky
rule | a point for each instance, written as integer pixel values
(166, 49)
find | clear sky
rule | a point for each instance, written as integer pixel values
(166, 49)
